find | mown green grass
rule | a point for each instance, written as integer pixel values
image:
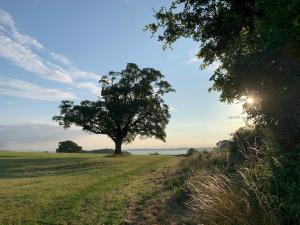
(48, 188)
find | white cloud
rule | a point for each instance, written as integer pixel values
(212, 67)
(193, 58)
(25, 58)
(23, 89)
(21, 49)
(172, 109)
(90, 86)
(83, 74)
(7, 24)
(60, 58)
(6, 19)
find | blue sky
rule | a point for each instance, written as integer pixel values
(55, 50)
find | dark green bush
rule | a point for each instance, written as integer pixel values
(155, 153)
(192, 151)
(274, 180)
(285, 185)
(68, 147)
(268, 183)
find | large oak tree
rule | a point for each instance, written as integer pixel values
(130, 105)
(257, 43)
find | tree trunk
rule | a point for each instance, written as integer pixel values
(118, 147)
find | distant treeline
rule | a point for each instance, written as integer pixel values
(72, 147)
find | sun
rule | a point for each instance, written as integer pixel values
(250, 101)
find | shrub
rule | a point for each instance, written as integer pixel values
(275, 181)
(155, 153)
(285, 185)
(222, 195)
(191, 151)
(245, 145)
(224, 144)
(220, 198)
(68, 147)
(263, 189)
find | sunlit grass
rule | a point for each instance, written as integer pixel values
(48, 188)
(220, 194)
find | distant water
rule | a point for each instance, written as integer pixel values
(161, 151)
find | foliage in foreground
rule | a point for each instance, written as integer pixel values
(270, 170)
(262, 193)
(256, 44)
(218, 194)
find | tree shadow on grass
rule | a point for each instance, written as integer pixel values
(36, 167)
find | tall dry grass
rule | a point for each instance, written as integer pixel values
(222, 196)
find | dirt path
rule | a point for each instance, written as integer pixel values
(165, 206)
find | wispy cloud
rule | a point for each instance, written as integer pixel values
(11, 102)
(26, 52)
(83, 74)
(172, 109)
(60, 58)
(26, 59)
(7, 24)
(23, 89)
(192, 58)
(90, 86)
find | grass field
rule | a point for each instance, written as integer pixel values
(48, 188)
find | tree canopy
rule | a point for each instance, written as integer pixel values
(130, 105)
(256, 42)
(68, 147)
